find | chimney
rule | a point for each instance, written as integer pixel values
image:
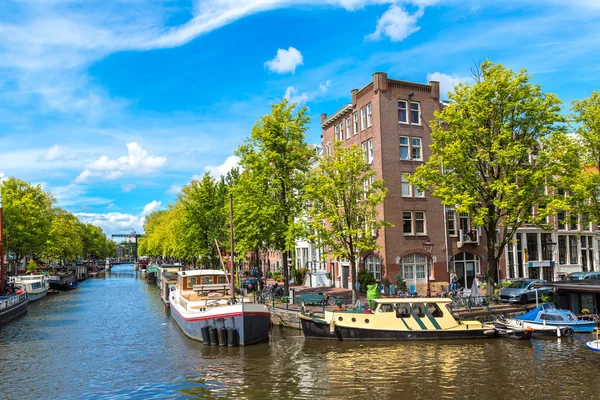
(435, 89)
(354, 93)
(380, 82)
(323, 117)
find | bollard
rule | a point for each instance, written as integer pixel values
(222, 336)
(212, 333)
(233, 339)
(205, 335)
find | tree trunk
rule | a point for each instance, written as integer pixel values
(353, 278)
(492, 272)
(286, 273)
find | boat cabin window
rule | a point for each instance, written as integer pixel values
(434, 310)
(402, 311)
(206, 280)
(419, 309)
(221, 279)
(190, 282)
(551, 317)
(571, 317)
(385, 308)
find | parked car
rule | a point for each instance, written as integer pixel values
(578, 276)
(520, 291)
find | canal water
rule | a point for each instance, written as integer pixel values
(112, 338)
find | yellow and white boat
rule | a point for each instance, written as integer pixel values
(395, 319)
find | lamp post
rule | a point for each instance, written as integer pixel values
(428, 247)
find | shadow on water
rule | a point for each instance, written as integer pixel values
(113, 338)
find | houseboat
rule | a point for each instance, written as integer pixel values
(394, 320)
(167, 279)
(63, 279)
(13, 302)
(151, 274)
(81, 272)
(202, 302)
(36, 286)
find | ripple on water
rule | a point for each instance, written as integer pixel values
(112, 339)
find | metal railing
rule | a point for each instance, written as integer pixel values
(12, 300)
(469, 302)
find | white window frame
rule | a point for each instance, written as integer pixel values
(413, 147)
(342, 130)
(363, 118)
(406, 113)
(369, 115)
(406, 187)
(373, 264)
(413, 267)
(370, 151)
(336, 129)
(348, 130)
(363, 145)
(424, 219)
(451, 216)
(406, 146)
(412, 223)
(355, 115)
(418, 112)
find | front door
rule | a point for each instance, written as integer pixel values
(345, 275)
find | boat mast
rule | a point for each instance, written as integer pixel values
(231, 245)
(1, 248)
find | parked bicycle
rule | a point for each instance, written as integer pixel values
(271, 292)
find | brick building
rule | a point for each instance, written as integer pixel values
(390, 120)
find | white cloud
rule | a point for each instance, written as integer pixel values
(216, 171)
(74, 195)
(116, 222)
(285, 61)
(137, 161)
(55, 153)
(293, 96)
(396, 24)
(174, 189)
(447, 82)
(151, 207)
(128, 188)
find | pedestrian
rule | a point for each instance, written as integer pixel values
(453, 282)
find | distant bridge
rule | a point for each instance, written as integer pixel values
(131, 238)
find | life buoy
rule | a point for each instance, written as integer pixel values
(338, 309)
(20, 291)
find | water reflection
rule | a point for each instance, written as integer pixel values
(112, 338)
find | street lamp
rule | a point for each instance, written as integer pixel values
(428, 247)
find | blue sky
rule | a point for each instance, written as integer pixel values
(114, 105)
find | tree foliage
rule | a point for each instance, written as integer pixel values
(496, 148)
(342, 199)
(269, 195)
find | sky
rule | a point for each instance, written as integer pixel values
(113, 106)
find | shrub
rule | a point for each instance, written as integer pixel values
(269, 275)
(300, 275)
(364, 278)
(400, 283)
(31, 267)
(505, 284)
(276, 276)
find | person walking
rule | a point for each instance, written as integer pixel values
(453, 282)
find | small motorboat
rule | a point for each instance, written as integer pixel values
(594, 345)
(547, 315)
(537, 330)
(516, 333)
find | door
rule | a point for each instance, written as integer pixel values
(345, 275)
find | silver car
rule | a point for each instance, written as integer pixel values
(520, 291)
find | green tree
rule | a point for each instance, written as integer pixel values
(342, 197)
(274, 161)
(586, 115)
(65, 242)
(496, 147)
(27, 217)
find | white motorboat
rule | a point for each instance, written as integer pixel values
(36, 286)
(203, 306)
(538, 329)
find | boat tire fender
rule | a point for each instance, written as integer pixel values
(567, 331)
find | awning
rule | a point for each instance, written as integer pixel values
(535, 264)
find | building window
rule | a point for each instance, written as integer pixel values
(342, 130)
(373, 264)
(415, 113)
(413, 266)
(420, 222)
(369, 115)
(337, 131)
(370, 151)
(466, 266)
(355, 115)
(561, 217)
(364, 149)
(532, 246)
(363, 118)
(406, 187)
(585, 222)
(464, 222)
(562, 249)
(573, 249)
(451, 223)
(418, 192)
(407, 222)
(573, 223)
(404, 148)
(402, 112)
(417, 153)
(348, 131)
(546, 239)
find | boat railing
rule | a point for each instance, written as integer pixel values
(12, 300)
